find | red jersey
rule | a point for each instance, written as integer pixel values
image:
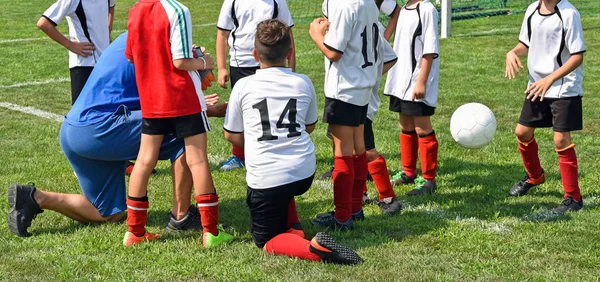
(160, 31)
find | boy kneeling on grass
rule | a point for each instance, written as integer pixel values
(271, 115)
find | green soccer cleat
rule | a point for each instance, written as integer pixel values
(209, 240)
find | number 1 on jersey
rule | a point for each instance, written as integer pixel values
(365, 42)
(290, 110)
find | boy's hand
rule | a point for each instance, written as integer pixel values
(217, 110)
(211, 99)
(539, 88)
(419, 91)
(318, 27)
(83, 49)
(513, 63)
(223, 77)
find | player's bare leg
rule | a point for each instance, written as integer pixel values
(204, 188)
(409, 149)
(137, 199)
(183, 216)
(567, 161)
(528, 148)
(428, 149)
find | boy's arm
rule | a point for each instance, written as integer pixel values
(431, 50)
(233, 124)
(312, 116)
(222, 73)
(191, 64)
(83, 49)
(317, 32)
(513, 63)
(292, 61)
(388, 65)
(111, 17)
(237, 139)
(391, 27)
(540, 87)
(421, 86)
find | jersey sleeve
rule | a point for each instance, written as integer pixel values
(59, 10)
(325, 8)
(284, 14)
(340, 30)
(234, 121)
(225, 21)
(181, 34)
(574, 34)
(525, 31)
(312, 116)
(111, 3)
(388, 7)
(431, 42)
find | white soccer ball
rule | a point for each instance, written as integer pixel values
(473, 125)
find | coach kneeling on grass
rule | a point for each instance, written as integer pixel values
(99, 135)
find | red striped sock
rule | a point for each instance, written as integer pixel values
(567, 160)
(531, 160)
(238, 152)
(381, 177)
(343, 183)
(409, 148)
(208, 205)
(291, 245)
(137, 213)
(360, 181)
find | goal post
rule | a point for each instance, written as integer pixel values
(446, 24)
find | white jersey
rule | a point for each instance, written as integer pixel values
(551, 40)
(416, 35)
(388, 56)
(272, 108)
(388, 7)
(88, 22)
(353, 32)
(240, 18)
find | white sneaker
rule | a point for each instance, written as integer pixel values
(232, 163)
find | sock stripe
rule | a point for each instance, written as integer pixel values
(208, 204)
(136, 208)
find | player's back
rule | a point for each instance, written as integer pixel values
(276, 105)
(354, 32)
(159, 33)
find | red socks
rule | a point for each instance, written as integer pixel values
(292, 246)
(409, 146)
(137, 212)
(208, 205)
(238, 152)
(531, 160)
(429, 156)
(381, 177)
(343, 183)
(360, 181)
(567, 160)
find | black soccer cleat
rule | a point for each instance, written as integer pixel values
(330, 251)
(568, 205)
(327, 175)
(423, 187)
(390, 206)
(358, 216)
(191, 221)
(328, 220)
(520, 188)
(22, 208)
(401, 178)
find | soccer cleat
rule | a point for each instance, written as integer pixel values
(22, 208)
(390, 206)
(130, 238)
(401, 178)
(328, 220)
(330, 251)
(232, 163)
(359, 215)
(366, 199)
(209, 240)
(191, 221)
(520, 188)
(423, 187)
(567, 205)
(326, 175)
(296, 229)
(129, 168)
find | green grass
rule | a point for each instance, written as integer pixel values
(469, 230)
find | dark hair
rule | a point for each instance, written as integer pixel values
(273, 41)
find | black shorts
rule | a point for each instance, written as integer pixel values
(563, 115)
(183, 126)
(269, 209)
(79, 76)
(341, 113)
(236, 73)
(410, 108)
(369, 136)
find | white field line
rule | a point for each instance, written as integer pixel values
(488, 32)
(30, 83)
(32, 111)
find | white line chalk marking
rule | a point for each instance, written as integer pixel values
(32, 111)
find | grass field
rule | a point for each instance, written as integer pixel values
(470, 230)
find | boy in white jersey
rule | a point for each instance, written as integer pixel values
(90, 24)
(413, 90)
(237, 27)
(351, 59)
(552, 38)
(272, 113)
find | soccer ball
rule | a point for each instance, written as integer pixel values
(473, 125)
